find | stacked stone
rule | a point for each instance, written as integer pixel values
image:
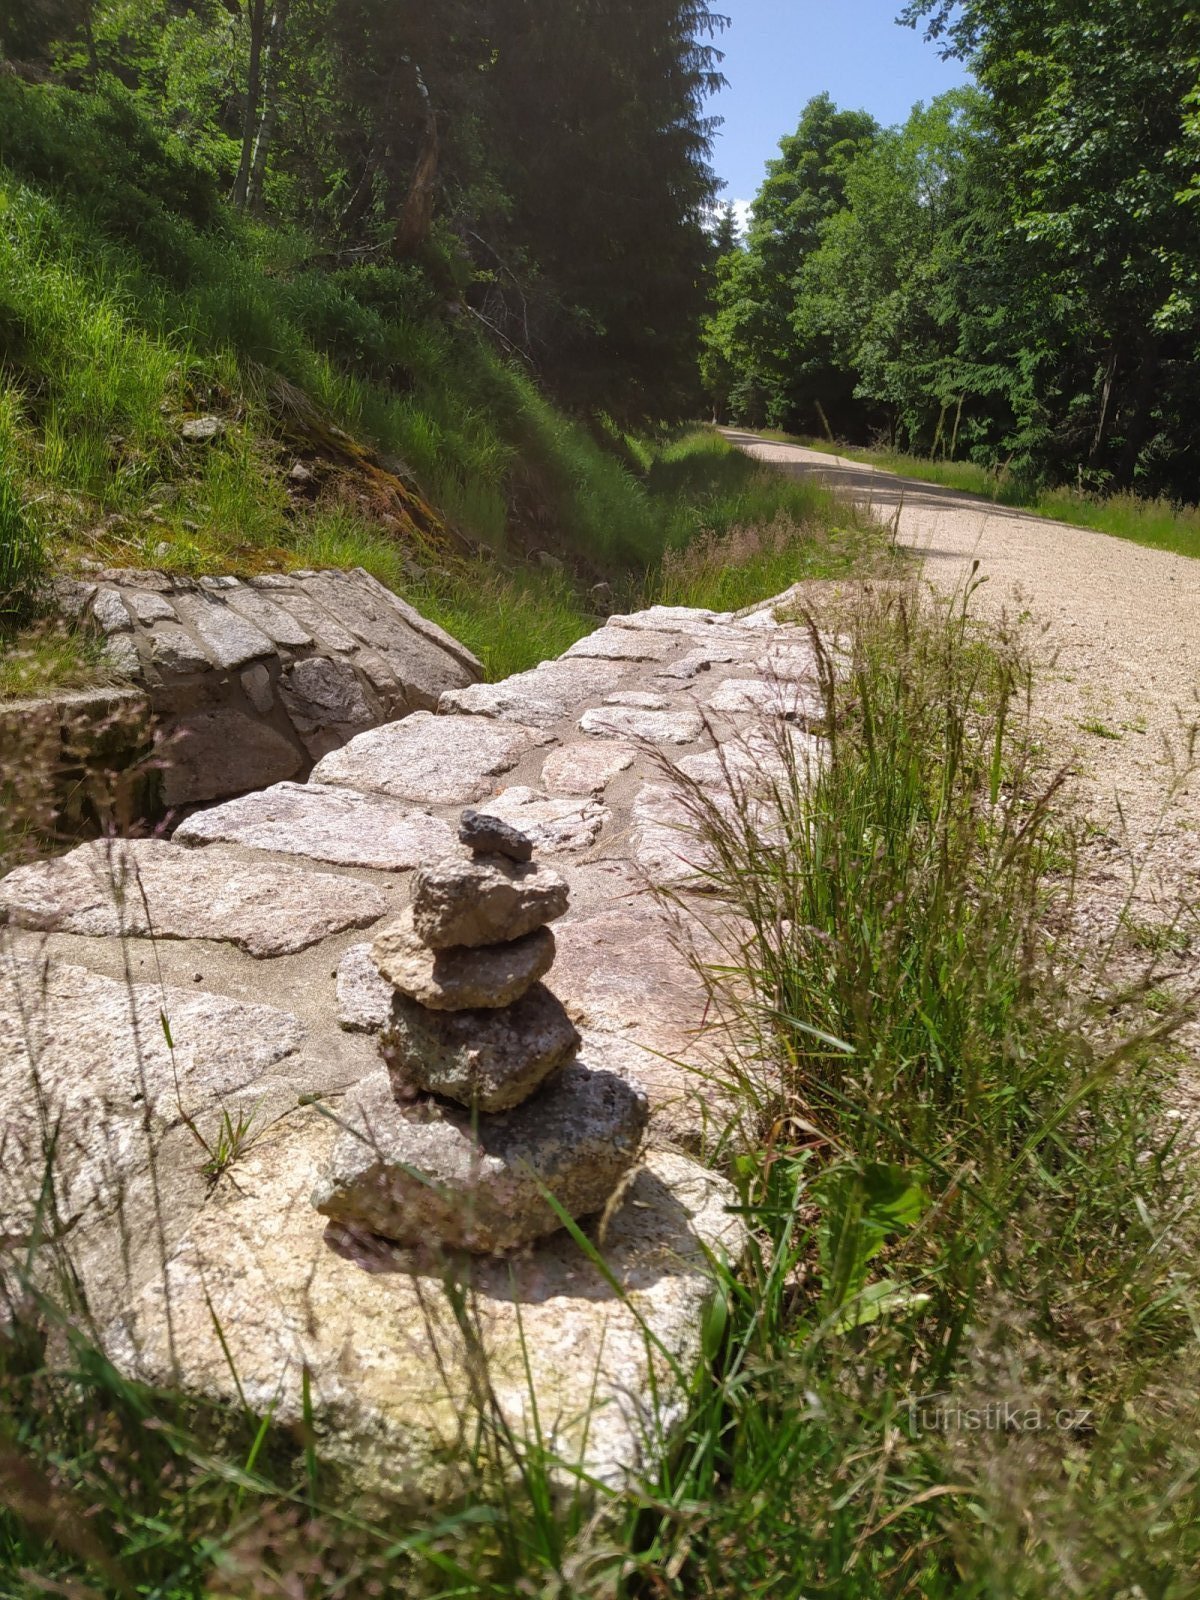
(485, 1105)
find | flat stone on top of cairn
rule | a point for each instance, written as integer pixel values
(472, 1024)
(486, 835)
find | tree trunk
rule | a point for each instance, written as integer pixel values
(1138, 409)
(416, 217)
(271, 63)
(1105, 397)
(241, 184)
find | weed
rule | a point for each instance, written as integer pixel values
(1100, 729)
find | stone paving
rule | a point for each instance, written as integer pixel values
(155, 989)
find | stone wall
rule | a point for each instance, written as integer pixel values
(251, 931)
(250, 682)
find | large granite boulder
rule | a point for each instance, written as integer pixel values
(256, 1308)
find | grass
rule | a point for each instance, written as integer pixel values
(1161, 524)
(961, 1359)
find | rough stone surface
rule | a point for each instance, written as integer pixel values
(256, 681)
(147, 607)
(121, 655)
(757, 761)
(669, 619)
(429, 1172)
(485, 835)
(491, 1060)
(389, 1381)
(797, 702)
(207, 754)
(680, 726)
(173, 650)
(691, 665)
(540, 697)
(584, 769)
(364, 996)
(143, 887)
(110, 611)
(623, 644)
(89, 1055)
(643, 698)
(326, 703)
(230, 639)
(555, 826)
(324, 823)
(484, 901)
(461, 979)
(433, 760)
(666, 841)
(277, 623)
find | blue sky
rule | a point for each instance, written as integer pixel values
(779, 53)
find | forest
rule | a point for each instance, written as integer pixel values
(1011, 277)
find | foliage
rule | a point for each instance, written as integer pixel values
(1012, 276)
(547, 162)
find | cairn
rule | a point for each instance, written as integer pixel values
(484, 1104)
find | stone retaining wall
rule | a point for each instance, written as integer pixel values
(252, 681)
(250, 932)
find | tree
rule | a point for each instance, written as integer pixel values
(1088, 110)
(782, 382)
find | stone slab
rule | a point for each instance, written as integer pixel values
(364, 996)
(151, 887)
(682, 725)
(86, 1060)
(584, 768)
(795, 702)
(173, 650)
(392, 1388)
(540, 697)
(624, 644)
(489, 1060)
(429, 760)
(325, 823)
(273, 619)
(484, 900)
(461, 979)
(230, 639)
(668, 619)
(431, 1175)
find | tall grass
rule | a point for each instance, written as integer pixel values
(966, 1184)
(22, 555)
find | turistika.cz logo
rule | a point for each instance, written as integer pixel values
(942, 1413)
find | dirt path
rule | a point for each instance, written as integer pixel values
(1115, 628)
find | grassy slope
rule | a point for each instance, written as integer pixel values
(1159, 523)
(131, 302)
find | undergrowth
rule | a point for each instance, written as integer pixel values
(961, 1356)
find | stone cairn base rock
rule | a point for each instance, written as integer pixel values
(484, 1107)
